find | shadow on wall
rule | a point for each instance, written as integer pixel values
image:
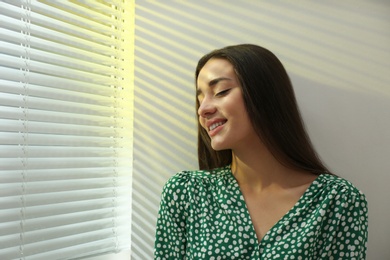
(337, 55)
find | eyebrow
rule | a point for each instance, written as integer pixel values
(212, 83)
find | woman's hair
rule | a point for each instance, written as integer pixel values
(271, 106)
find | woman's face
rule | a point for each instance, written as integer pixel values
(221, 110)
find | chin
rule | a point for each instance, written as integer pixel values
(219, 147)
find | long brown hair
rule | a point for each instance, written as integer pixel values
(271, 105)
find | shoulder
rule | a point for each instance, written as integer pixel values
(182, 181)
(335, 183)
(335, 189)
(186, 187)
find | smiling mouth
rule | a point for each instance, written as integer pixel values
(215, 125)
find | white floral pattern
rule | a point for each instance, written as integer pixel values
(203, 215)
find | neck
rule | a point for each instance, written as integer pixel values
(258, 169)
(254, 168)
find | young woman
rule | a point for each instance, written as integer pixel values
(261, 191)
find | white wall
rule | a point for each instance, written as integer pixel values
(338, 56)
(124, 255)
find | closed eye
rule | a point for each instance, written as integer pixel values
(223, 92)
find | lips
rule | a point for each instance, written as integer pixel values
(215, 125)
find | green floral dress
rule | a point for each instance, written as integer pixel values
(203, 215)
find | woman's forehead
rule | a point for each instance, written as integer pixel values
(215, 68)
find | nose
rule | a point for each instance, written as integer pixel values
(206, 108)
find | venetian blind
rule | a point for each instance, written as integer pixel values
(66, 107)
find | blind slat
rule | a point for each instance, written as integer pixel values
(67, 150)
(7, 125)
(56, 163)
(62, 117)
(15, 37)
(12, 196)
(83, 8)
(19, 75)
(55, 36)
(60, 144)
(12, 77)
(48, 23)
(17, 51)
(47, 104)
(53, 70)
(53, 93)
(14, 176)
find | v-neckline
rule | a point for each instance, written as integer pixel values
(282, 219)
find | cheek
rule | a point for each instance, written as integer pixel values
(201, 121)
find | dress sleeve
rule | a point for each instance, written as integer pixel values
(347, 228)
(170, 241)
